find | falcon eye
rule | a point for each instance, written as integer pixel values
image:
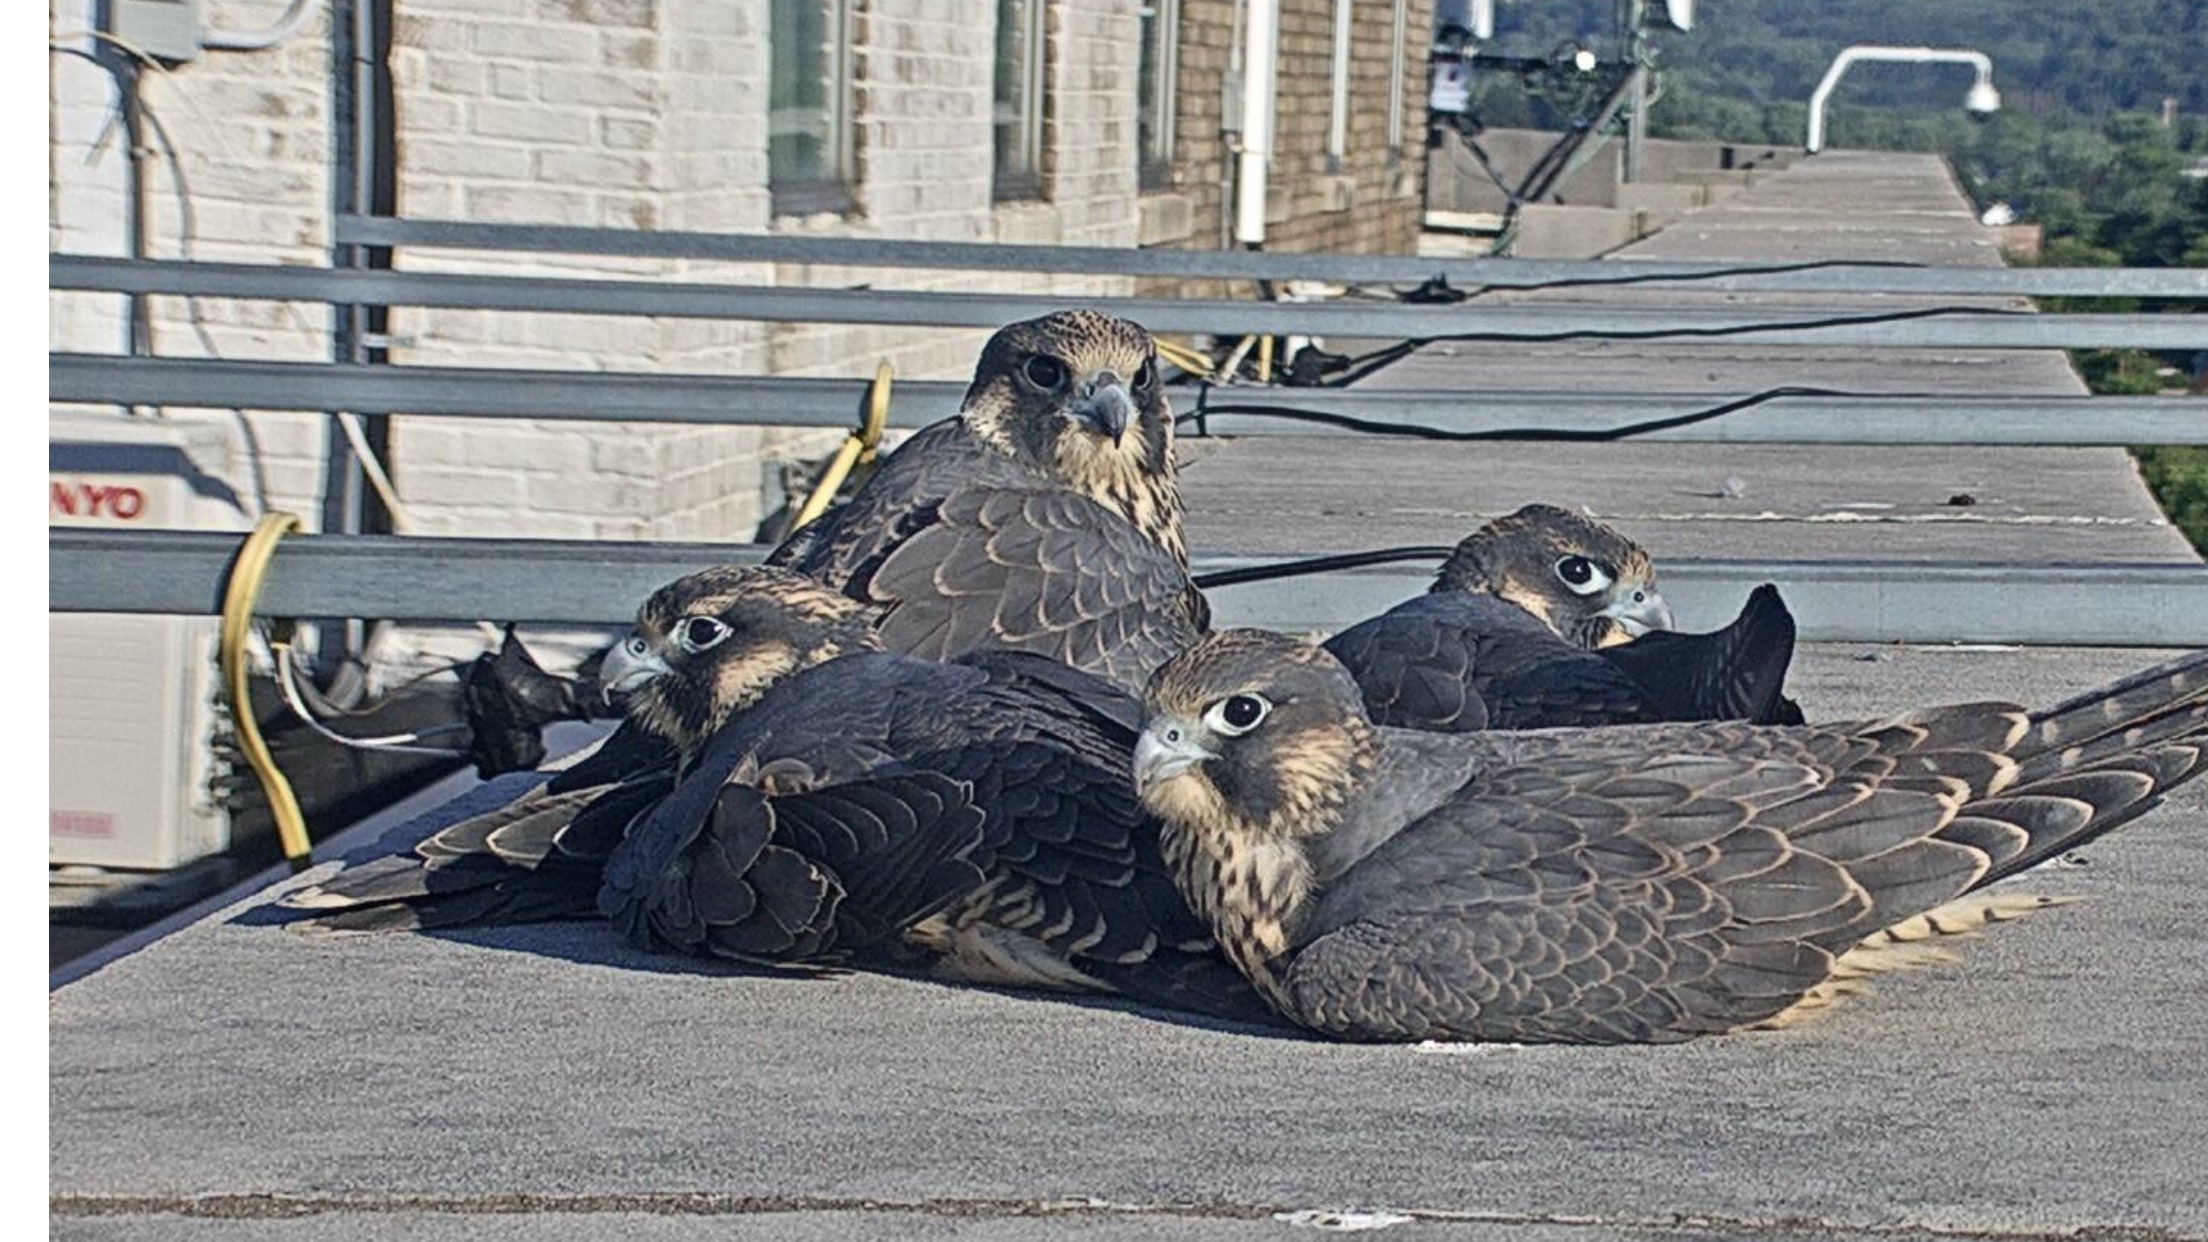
(1583, 576)
(1044, 371)
(1237, 714)
(699, 633)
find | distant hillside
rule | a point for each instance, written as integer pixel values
(2077, 146)
(2089, 58)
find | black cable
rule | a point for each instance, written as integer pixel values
(1415, 431)
(1318, 565)
(1362, 367)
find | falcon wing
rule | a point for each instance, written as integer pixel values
(936, 462)
(994, 790)
(1455, 662)
(1613, 898)
(1735, 673)
(1656, 882)
(1045, 571)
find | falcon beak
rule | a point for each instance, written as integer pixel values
(1638, 609)
(1104, 406)
(630, 664)
(1166, 749)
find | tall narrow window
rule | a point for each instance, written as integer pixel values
(1161, 36)
(1018, 109)
(1337, 119)
(810, 164)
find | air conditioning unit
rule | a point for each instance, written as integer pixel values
(131, 713)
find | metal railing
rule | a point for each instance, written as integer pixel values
(1959, 327)
(559, 581)
(601, 396)
(1815, 277)
(578, 582)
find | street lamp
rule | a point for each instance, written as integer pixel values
(1981, 99)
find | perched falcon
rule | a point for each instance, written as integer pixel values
(1590, 584)
(1043, 517)
(1644, 883)
(1546, 618)
(736, 633)
(832, 802)
(1457, 662)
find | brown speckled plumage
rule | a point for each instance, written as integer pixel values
(1628, 884)
(1043, 518)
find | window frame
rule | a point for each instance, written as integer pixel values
(1398, 76)
(1337, 117)
(1154, 162)
(835, 193)
(1021, 184)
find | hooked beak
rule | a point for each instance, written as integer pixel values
(1167, 748)
(1638, 609)
(1104, 406)
(630, 664)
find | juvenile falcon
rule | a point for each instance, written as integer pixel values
(831, 802)
(541, 856)
(1631, 884)
(1546, 618)
(1043, 517)
(1582, 579)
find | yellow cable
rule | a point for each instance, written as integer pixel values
(239, 595)
(1265, 359)
(858, 449)
(877, 413)
(1189, 360)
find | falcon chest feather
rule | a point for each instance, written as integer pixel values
(1121, 477)
(1248, 887)
(1250, 879)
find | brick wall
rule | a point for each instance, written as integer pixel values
(1372, 204)
(651, 114)
(247, 133)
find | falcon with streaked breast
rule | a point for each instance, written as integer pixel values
(1632, 884)
(1043, 517)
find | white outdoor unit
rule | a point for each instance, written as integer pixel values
(131, 699)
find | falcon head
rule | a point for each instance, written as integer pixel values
(1252, 734)
(1590, 584)
(1077, 394)
(709, 645)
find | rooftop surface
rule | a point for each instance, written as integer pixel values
(234, 1081)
